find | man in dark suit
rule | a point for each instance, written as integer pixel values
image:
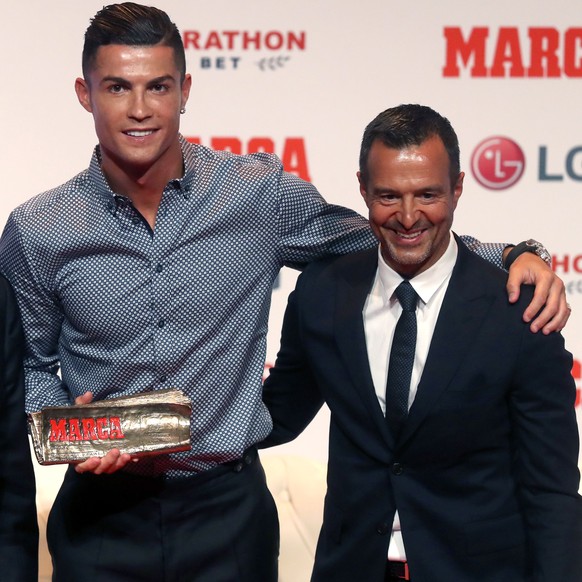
(18, 525)
(471, 475)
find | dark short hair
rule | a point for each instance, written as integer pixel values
(406, 125)
(132, 25)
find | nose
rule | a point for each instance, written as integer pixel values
(408, 212)
(138, 106)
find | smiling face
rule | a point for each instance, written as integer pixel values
(135, 94)
(411, 203)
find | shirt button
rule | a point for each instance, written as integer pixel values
(397, 469)
(161, 322)
(163, 378)
(135, 220)
(159, 268)
(238, 468)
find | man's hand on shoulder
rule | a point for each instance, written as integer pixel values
(550, 293)
(110, 463)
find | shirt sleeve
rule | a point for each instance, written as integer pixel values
(491, 252)
(41, 319)
(310, 228)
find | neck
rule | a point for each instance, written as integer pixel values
(144, 185)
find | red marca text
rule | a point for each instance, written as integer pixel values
(547, 52)
(86, 429)
(293, 156)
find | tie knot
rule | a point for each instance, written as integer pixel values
(407, 296)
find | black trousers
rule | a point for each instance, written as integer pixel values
(219, 526)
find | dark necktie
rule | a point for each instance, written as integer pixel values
(401, 358)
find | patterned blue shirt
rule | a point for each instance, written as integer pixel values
(122, 309)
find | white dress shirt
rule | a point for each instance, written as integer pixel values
(381, 312)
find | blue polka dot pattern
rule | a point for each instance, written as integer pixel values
(119, 309)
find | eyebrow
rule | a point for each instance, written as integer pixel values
(427, 188)
(122, 81)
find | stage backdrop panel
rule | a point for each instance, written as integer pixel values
(303, 78)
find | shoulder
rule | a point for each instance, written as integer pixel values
(255, 164)
(50, 200)
(260, 173)
(351, 267)
(480, 277)
(469, 263)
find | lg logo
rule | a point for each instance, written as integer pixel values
(497, 163)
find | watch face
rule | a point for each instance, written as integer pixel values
(539, 250)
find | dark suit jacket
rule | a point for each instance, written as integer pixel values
(18, 525)
(484, 474)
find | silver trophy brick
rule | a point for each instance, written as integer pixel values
(142, 424)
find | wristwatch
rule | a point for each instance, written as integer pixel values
(528, 246)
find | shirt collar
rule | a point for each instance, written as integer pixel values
(426, 283)
(188, 155)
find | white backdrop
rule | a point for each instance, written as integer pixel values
(306, 76)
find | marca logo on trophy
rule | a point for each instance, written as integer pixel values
(141, 424)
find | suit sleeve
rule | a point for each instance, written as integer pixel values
(18, 525)
(290, 392)
(546, 439)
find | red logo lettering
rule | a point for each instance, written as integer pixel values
(293, 154)
(58, 430)
(273, 40)
(547, 52)
(567, 263)
(85, 429)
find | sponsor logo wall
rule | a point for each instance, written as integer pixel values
(301, 79)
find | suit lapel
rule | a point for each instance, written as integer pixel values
(464, 309)
(352, 292)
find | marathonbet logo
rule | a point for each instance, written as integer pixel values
(234, 50)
